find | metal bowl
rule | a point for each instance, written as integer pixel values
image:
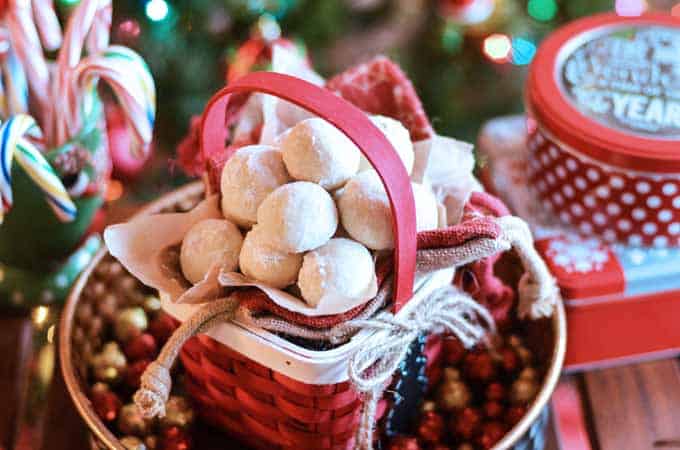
(528, 434)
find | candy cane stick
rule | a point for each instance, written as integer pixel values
(26, 41)
(131, 81)
(99, 34)
(89, 14)
(47, 23)
(16, 85)
(15, 146)
(4, 54)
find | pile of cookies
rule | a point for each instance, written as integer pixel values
(307, 214)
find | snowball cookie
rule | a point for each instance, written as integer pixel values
(366, 214)
(365, 211)
(400, 139)
(297, 217)
(208, 242)
(341, 272)
(247, 178)
(427, 207)
(316, 151)
(262, 262)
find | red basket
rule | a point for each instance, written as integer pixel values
(260, 406)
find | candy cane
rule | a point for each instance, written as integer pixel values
(129, 77)
(15, 84)
(15, 146)
(47, 23)
(90, 18)
(26, 42)
(99, 35)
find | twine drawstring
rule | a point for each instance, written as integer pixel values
(156, 381)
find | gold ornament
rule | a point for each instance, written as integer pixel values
(108, 374)
(151, 304)
(451, 374)
(132, 443)
(514, 341)
(528, 373)
(453, 395)
(130, 421)
(99, 388)
(428, 406)
(107, 305)
(151, 442)
(523, 391)
(108, 365)
(524, 355)
(130, 323)
(178, 413)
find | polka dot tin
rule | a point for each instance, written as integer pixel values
(604, 96)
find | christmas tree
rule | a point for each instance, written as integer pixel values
(468, 58)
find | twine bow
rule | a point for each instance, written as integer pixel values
(447, 310)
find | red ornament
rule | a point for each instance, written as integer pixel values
(466, 423)
(141, 347)
(453, 350)
(491, 433)
(126, 166)
(162, 328)
(174, 438)
(106, 404)
(431, 427)
(134, 371)
(515, 414)
(479, 366)
(510, 360)
(404, 443)
(495, 391)
(493, 409)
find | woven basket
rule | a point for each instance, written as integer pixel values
(274, 397)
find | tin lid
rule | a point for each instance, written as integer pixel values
(609, 88)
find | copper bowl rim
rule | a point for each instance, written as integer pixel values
(104, 435)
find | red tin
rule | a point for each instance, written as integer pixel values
(604, 92)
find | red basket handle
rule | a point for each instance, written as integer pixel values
(359, 129)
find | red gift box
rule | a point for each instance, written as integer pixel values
(621, 300)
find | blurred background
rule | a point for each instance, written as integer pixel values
(467, 58)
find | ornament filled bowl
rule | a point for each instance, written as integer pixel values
(105, 289)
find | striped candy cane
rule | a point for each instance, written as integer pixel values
(14, 145)
(129, 77)
(89, 23)
(26, 42)
(47, 23)
(15, 84)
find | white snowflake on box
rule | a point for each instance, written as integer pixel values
(575, 254)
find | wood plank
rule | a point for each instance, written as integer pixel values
(570, 421)
(15, 348)
(635, 407)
